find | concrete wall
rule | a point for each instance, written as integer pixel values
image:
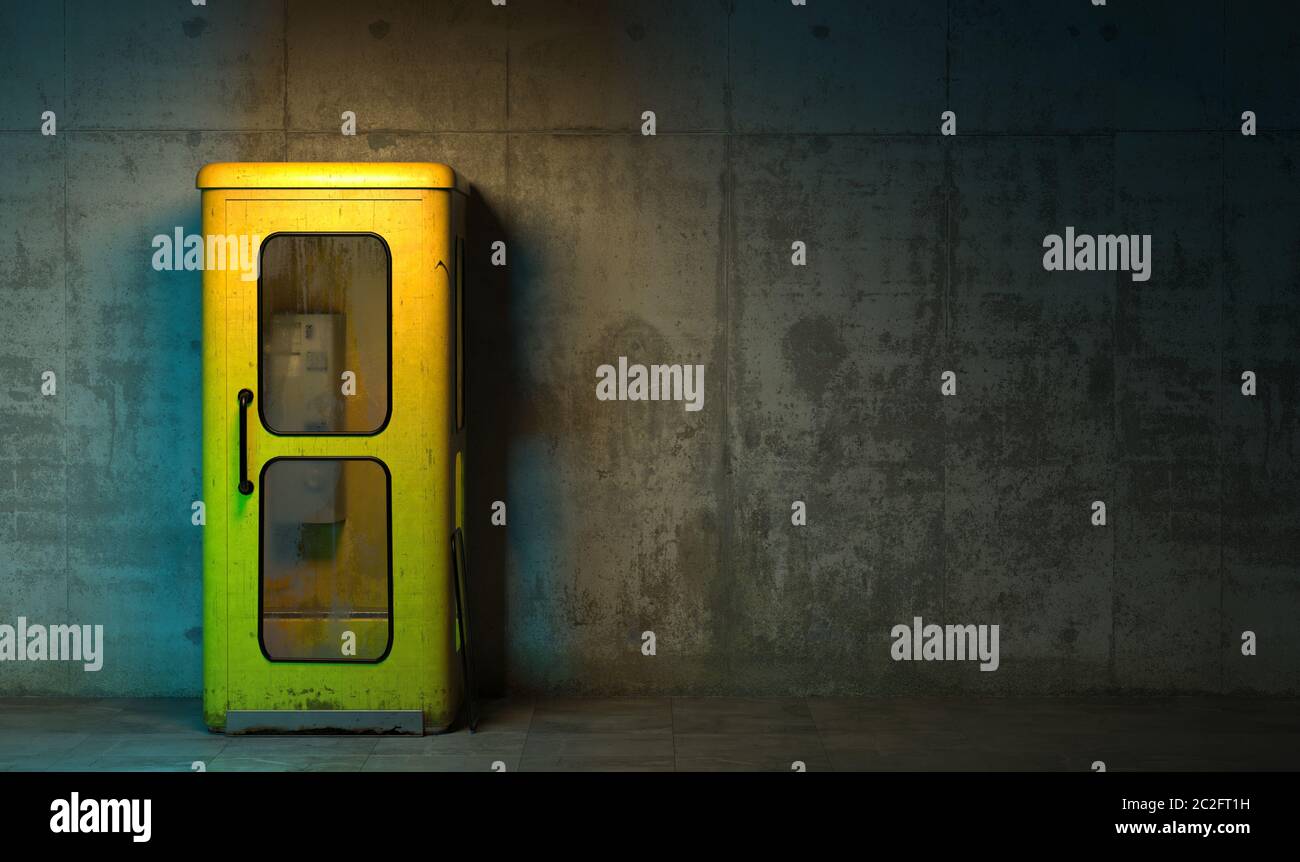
(775, 124)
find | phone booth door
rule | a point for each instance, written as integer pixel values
(343, 586)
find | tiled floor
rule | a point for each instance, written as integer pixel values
(689, 734)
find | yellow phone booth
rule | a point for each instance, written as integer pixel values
(333, 450)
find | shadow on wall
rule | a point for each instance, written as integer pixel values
(133, 439)
(491, 395)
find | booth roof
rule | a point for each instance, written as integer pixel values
(328, 175)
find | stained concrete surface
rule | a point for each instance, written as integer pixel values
(688, 734)
(776, 124)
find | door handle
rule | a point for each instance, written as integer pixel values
(245, 399)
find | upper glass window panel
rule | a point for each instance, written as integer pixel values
(324, 324)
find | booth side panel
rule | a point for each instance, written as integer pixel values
(460, 398)
(216, 486)
(444, 697)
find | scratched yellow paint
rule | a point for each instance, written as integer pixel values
(418, 210)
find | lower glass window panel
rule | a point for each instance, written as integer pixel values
(326, 559)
